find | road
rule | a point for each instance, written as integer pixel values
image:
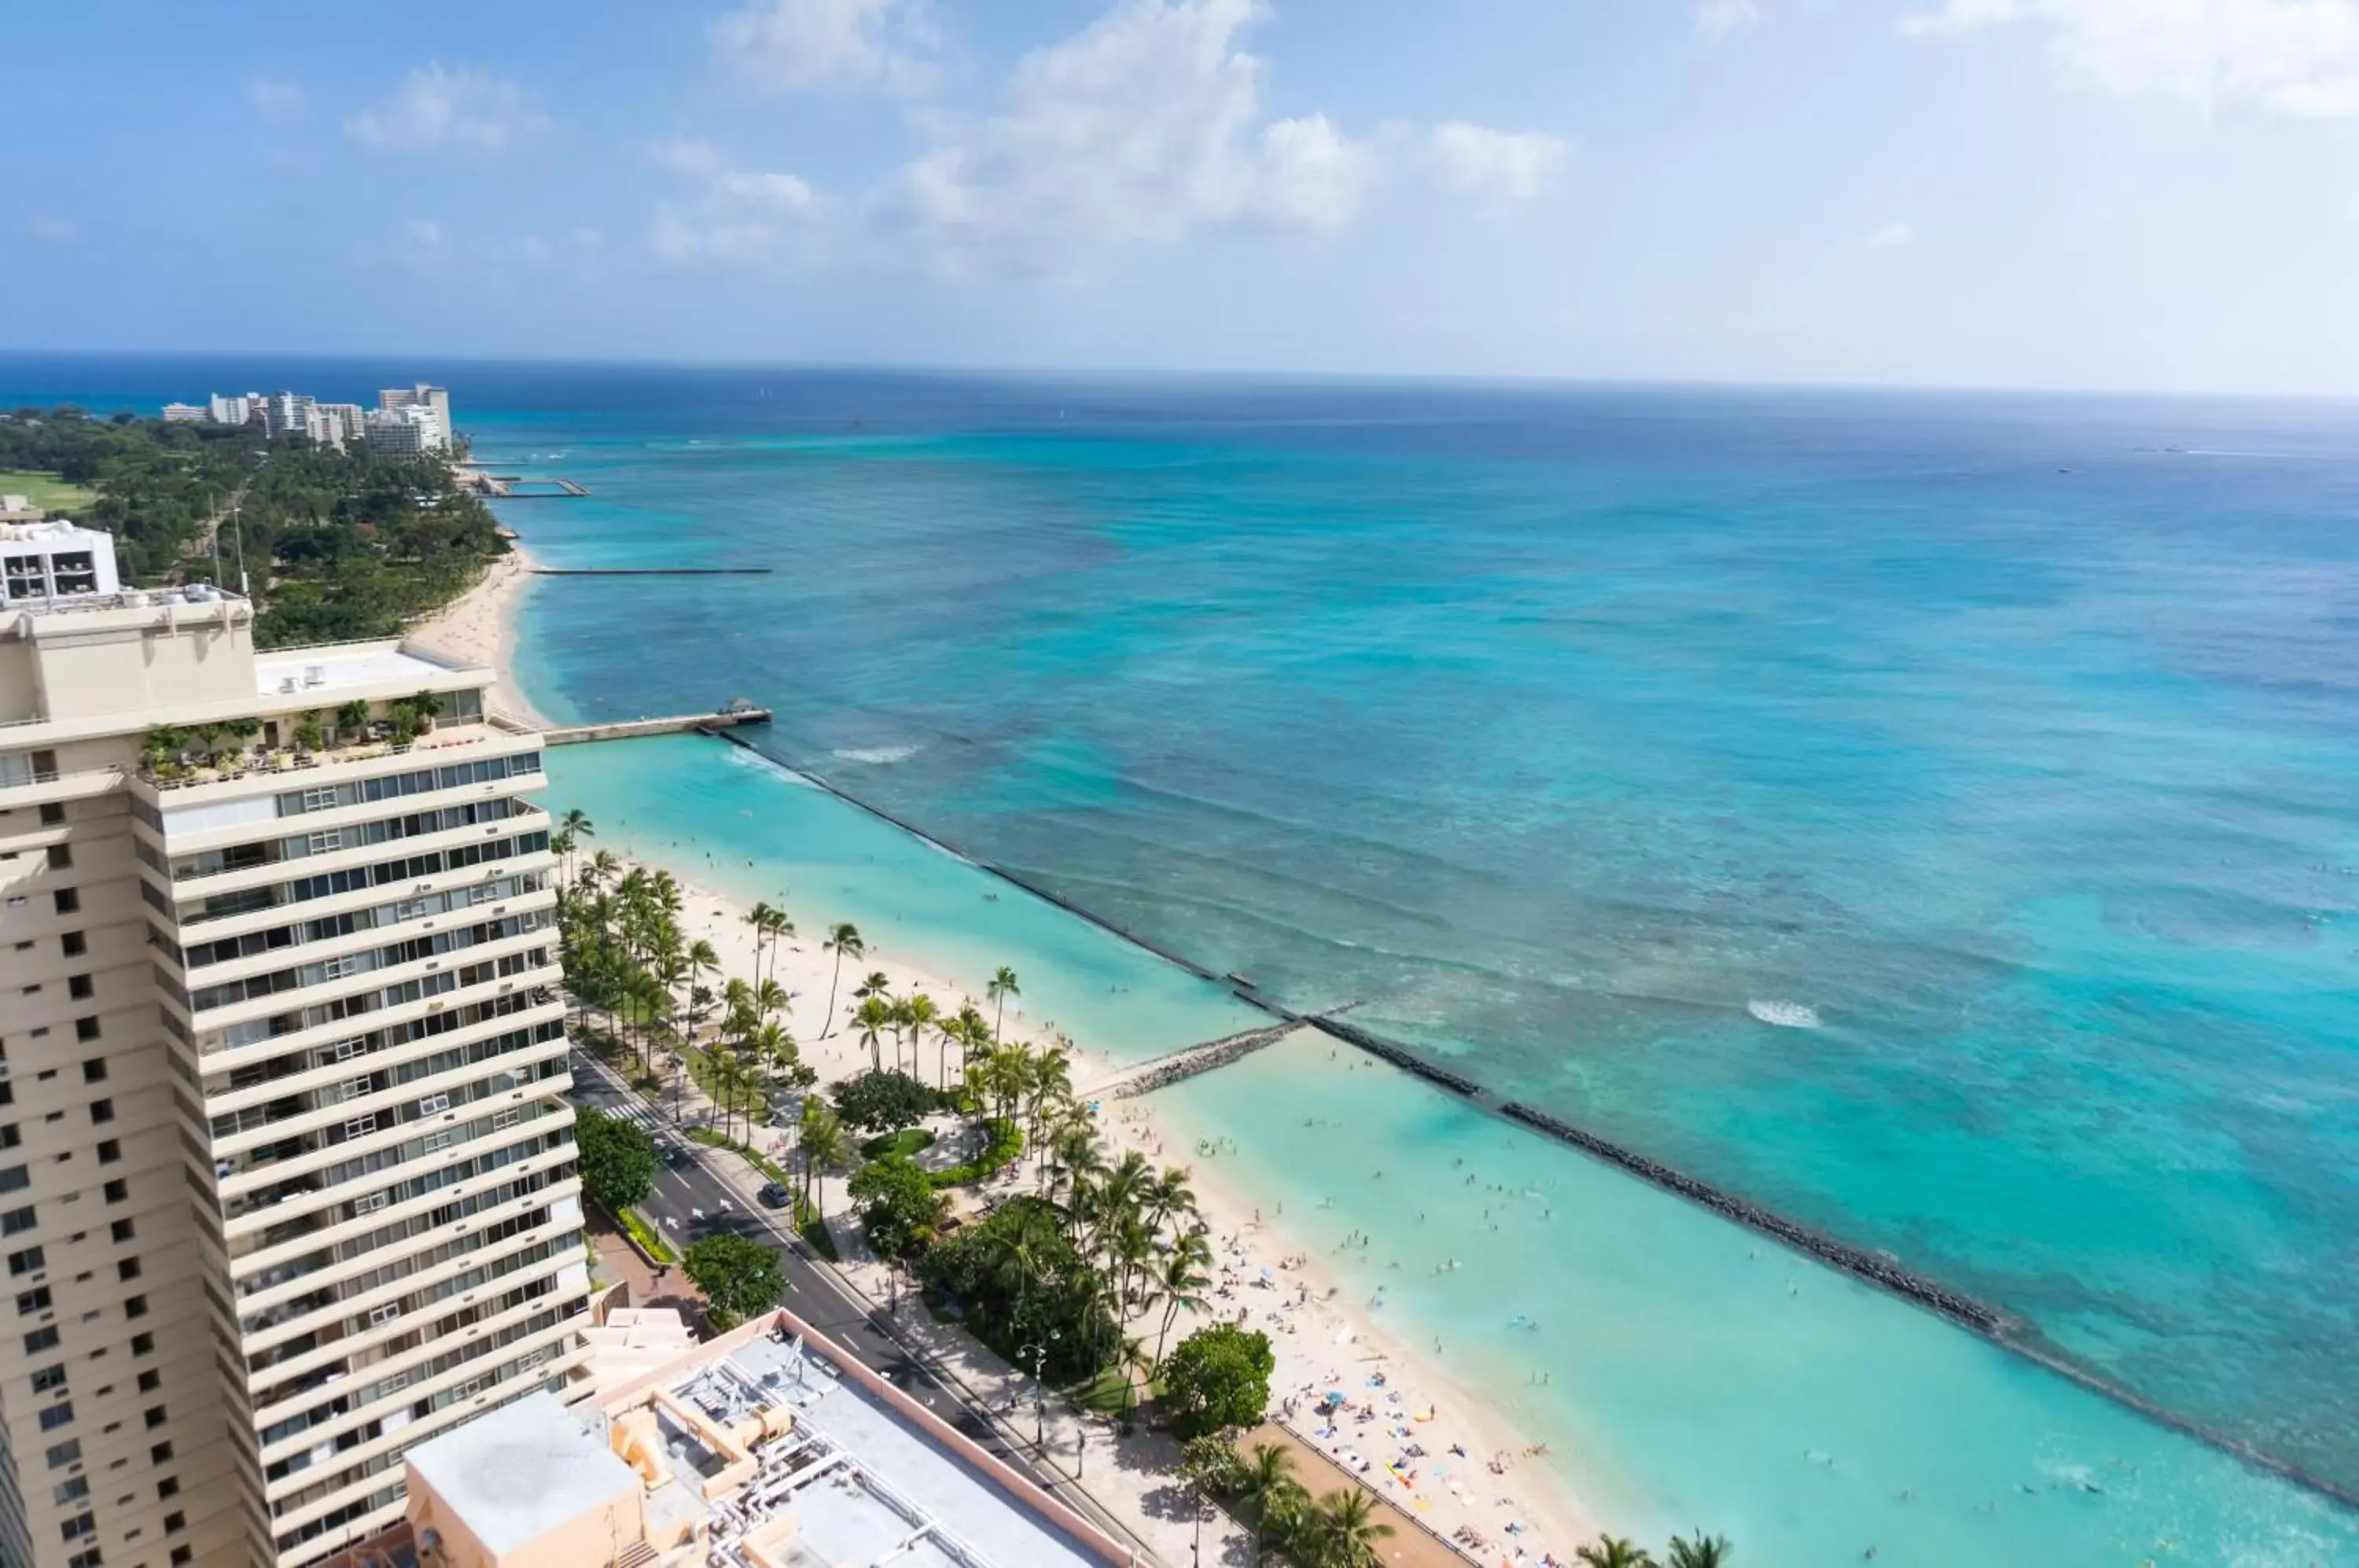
(692, 1201)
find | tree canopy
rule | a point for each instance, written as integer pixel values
(1218, 1377)
(884, 1101)
(618, 1158)
(899, 1208)
(739, 1278)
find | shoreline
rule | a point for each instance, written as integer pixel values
(1321, 1338)
(480, 626)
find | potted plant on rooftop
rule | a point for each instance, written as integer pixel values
(310, 735)
(352, 721)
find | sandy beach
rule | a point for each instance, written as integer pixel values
(480, 626)
(1381, 1408)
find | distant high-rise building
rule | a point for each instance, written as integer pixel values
(435, 398)
(409, 431)
(185, 413)
(287, 1171)
(287, 414)
(233, 410)
(335, 424)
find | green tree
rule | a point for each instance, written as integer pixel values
(843, 941)
(898, 1206)
(1342, 1530)
(825, 1147)
(1700, 1551)
(1218, 1377)
(1003, 985)
(618, 1159)
(884, 1102)
(739, 1278)
(1613, 1552)
(1268, 1494)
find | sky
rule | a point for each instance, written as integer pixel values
(2140, 194)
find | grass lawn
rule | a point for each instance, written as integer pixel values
(46, 491)
(908, 1141)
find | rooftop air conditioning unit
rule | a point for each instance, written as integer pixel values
(315, 675)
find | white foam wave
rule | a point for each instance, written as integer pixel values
(1784, 1015)
(879, 755)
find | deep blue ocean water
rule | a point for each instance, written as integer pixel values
(1930, 816)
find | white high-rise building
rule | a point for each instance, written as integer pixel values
(287, 414)
(406, 431)
(232, 410)
(286, 1172)
(437, 399)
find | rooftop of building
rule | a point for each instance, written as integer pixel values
(39, 529)
(520, 1471)
(338, 667)
(766, 1448)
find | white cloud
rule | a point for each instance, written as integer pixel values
(2295, 58)
(1145, 127)
(424, 234)
(1515, 165)
(728, 216)
(1718, 19)
(436, 108)
(279, 101)
(1891, 236)
(796, 45)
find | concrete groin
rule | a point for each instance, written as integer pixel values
(652, 571)
(676, 723)
(1180, 1066)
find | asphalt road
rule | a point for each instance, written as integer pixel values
(690, 1202)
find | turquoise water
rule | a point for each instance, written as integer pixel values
(749, 829)
(1932, 817)
(1695, 1373)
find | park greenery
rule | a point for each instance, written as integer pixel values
(1217, 1380)
(333, 545)
(738, 1278)
(1338, 1531)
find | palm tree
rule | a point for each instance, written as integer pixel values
(576, 826)
(873, 1018)
(779, 930)
(1701, 1552)
(1269, 1496)
(899, 1008)
(843, 941)
(1343, 1530)
(1613, 1552)
(919, 1014)
(760, 918)
(1003, 985)
(1179, 1283)
(702, 961)
(825, 1144)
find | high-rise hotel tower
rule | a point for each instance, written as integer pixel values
(286, 1172)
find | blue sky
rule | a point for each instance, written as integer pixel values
(2122, 194)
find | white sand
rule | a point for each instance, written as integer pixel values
(479, 627)
(1322, 1340)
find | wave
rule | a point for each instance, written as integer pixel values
(1784, 1015)
(878, 754)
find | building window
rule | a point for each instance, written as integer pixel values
(65, 1453)
(109, 1151)
(136, 1307)
(15, 1179)
(122, 1230)
(76, 1527)
(141, 1344)
(17, 1220)
(161, 1454)
(169, 1487)
(102, 1111)
(90, 1559)
(60, 857)
(70, 1490)
(95, 1070)
(41, 1339)
(79, 987)
(52, 813)
(68, 900)
(157, 1418)
(129, 1269)
(74, 944)
(49, 1377)
(117, 1189)
(57, 1415)
(30, 1261)
(35, 1299)
(151, 1380)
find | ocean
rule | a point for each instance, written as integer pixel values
(1929, 816)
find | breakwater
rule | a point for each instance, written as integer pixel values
(651, 572)
(676, 723)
